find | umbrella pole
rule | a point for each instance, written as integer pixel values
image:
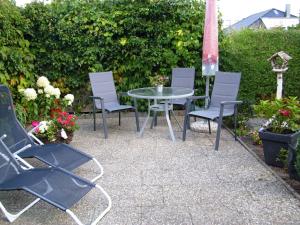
(207, 91)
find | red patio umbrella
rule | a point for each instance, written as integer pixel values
(210, 54)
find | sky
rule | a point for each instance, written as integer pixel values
(235, 10)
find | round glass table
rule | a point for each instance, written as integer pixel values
(167, 94)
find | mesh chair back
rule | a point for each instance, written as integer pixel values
(226, 88)
(103, 86)
(9, 167)
(16, 135)
(183, 77)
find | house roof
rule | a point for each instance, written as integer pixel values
(248, 21)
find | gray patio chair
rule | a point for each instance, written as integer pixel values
(222, 103)
(27, 145)
(53, 185)
(181, 77)
(105, 97)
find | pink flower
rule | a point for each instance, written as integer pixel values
(35, 123)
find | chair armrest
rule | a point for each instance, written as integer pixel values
(121, 94)
(96, 97)
(231, 102)
(94, 103)
(228, 103)
(192, 98)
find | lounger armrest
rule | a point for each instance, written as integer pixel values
(231, 102)
(33, 129)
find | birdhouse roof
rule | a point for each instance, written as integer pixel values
(284, 56)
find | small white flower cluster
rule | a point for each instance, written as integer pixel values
(30, 94)
(52, 91)
(69, 98)
(43, 82)
(45, 88)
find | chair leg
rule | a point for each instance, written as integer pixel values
(209, 127)
(218, 132)
(94, 114)
(119, 118)
(137, 120)
(153, 120)
(189, 122)
(104, 124)
(185, 126)
(235, 122)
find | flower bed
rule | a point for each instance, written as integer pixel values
(43, 108)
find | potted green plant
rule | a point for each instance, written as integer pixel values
(282, 128)
(158, 80)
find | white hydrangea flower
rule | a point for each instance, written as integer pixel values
(30, 94)
(43, 126)
(69, 98)
(56, 93)
(63, 134)
(49, 90)
(42, 82)
(47, 96)
(40, 91)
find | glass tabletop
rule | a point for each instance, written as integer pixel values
(167, 93)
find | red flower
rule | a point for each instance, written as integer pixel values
(55, 112)
(284, 112)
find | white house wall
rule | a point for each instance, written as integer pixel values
(280, 22)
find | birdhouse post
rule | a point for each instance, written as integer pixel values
(279, 62)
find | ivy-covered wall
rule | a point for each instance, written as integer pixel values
(134, 39)
(16, 60)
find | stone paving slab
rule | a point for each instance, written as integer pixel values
(154, 181)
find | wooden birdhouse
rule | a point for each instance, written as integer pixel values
(279, 62)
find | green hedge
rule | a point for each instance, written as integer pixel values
(16, 60)
(248, 51)
(134, 39)
(67, 39)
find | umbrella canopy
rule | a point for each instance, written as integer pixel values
(210, 55)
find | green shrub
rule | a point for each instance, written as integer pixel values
(247, 51)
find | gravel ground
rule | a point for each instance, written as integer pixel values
(154, 181)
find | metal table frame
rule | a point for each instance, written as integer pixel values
(165, 107)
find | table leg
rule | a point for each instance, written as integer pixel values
(146, 120)
(176, 120)
(168, 120)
